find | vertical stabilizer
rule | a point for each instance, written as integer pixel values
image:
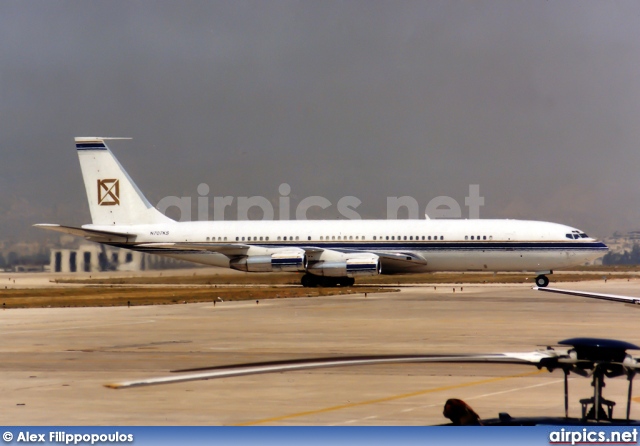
(114, 199)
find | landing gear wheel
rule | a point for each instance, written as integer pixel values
(309, 281)
(542, 281)
(346, 281)
(329, 282)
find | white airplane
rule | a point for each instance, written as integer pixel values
(329, 252)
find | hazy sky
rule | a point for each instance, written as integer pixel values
(538, 102)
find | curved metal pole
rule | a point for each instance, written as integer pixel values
(596, 394)
(630, 378)
(566, 393)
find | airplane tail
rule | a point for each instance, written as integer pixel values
(114, 199)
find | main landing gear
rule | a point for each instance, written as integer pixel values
(312, 281)
(542, 281)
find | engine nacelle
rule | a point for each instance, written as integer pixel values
(350, 267)
(278, 261)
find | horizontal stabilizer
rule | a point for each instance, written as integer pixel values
(90, 234)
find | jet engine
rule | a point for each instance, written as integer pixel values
(278, 261)
(368, 265)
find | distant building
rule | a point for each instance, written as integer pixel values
(89, 258)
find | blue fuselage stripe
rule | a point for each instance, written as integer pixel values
(415, 246)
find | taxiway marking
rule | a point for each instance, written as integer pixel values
(385, 399)
(428, 406)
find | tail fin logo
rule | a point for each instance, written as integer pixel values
(108, 192)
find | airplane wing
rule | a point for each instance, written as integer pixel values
(392, 262)
(610, 297)
(90, 234)
(530, 358)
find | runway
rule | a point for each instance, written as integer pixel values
(54, 362)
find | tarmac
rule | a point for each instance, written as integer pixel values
(54, 363)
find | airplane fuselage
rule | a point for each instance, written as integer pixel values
(446, 245)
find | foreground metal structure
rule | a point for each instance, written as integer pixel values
(589, 357)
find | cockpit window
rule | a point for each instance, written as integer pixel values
(575, 234)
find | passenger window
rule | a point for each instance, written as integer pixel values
(237, 238)
(442, 237)
(284, 238)
(309, 238)
(207, 238)
(243, 239)
(266, 238)
(429, 237)
(484, 237)
(387, 237)
(405, 237)
(260, 238)
(351, 237)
